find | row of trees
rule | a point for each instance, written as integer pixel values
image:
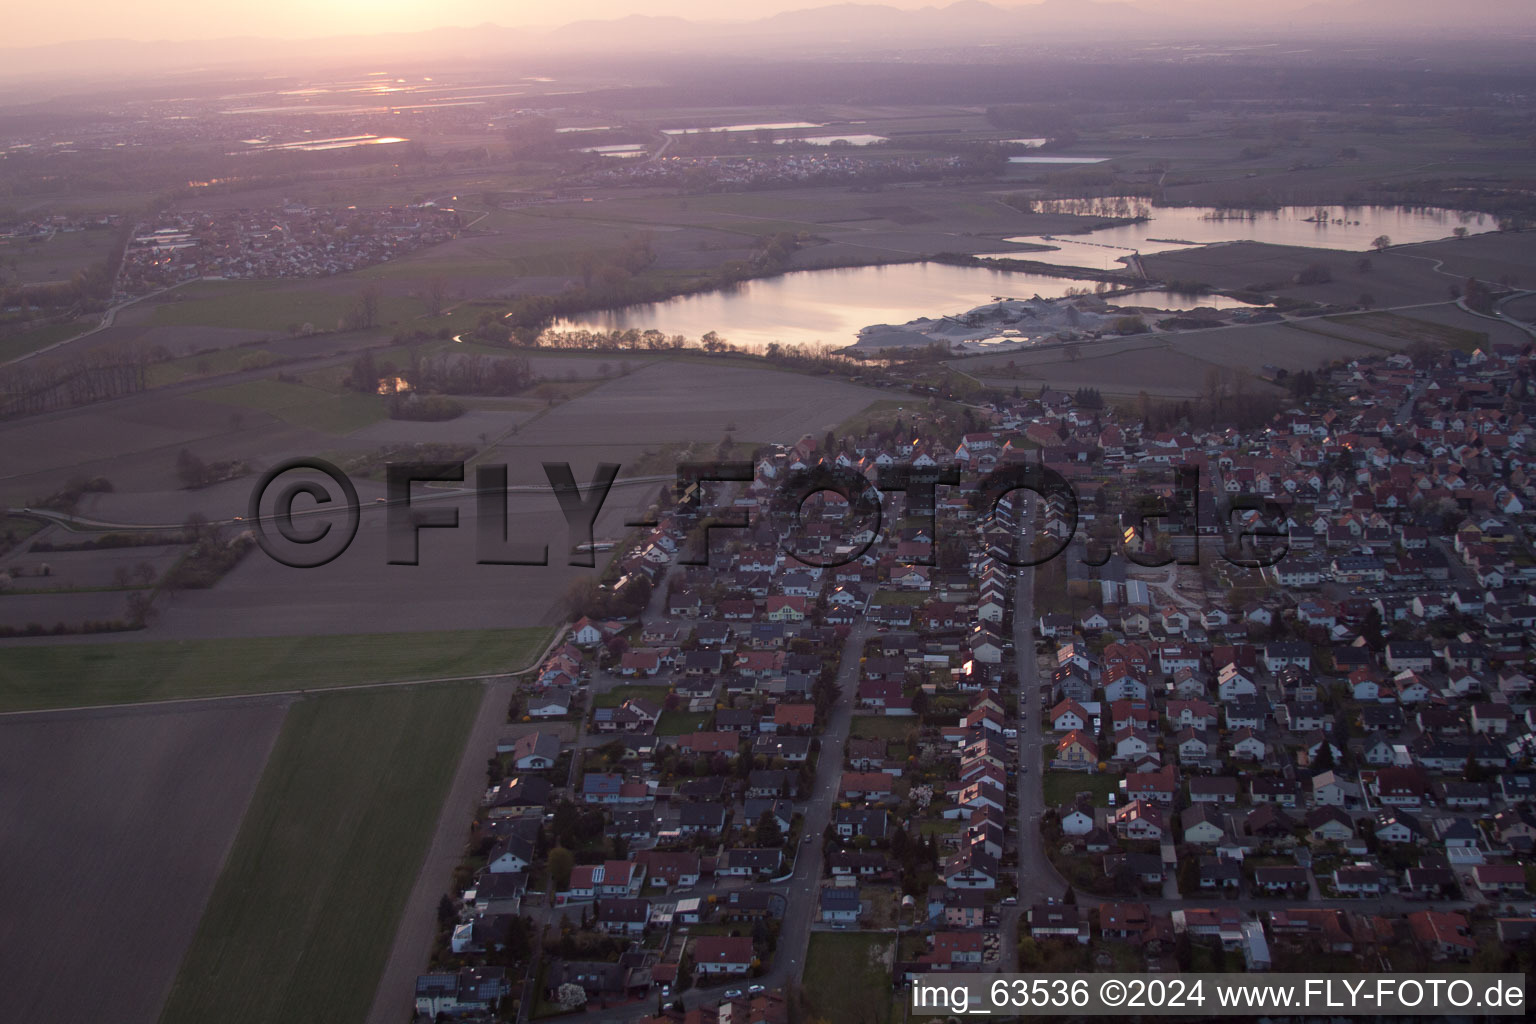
(78, 378)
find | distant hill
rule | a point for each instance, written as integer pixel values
(847, 28)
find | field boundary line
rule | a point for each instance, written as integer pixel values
(479, 677)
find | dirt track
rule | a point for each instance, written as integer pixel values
(418, 923)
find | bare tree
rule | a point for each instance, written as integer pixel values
(435, 294)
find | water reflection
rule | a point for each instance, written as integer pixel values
(828, 307)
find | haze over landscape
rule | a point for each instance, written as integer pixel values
(121, 37)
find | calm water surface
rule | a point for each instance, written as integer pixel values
(827, 307)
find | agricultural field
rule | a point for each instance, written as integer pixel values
(42, 674)
(117, 883)
(105, 568)
(1397, 277)
(304, 913)
(54, 257)
(678, 400)
(16, 343)
(1177, 365)
(848, 977)
(275, 306)
(302, 405)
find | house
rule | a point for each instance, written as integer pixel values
(865, 786)
(1129, 922)
(1058, 921)
(971, 869)
(1409, 656)
(794, 717)
(471, 991)
(958, 908)
(1202, 825)
(519, 796)
(1139, 820)
(701, 819)
(744, 862)
(553, 703)
(1245, 744)
(1500, 881)
(586, 633)
(955, 949)
(1395, 826)
(1401, 787)
(670, 870)
(1329, 824)
(722, 954)
(601, 787)
(1068, 716)
(1442, 933)
(1361, 880)
(1076, 751)
(535, 751)
(1213, 789)
(1159, 787)
(623, 915)
(1191, 745)
(1330, 789)
(1077, 819)
(1281, 879)
(1219, 873)
(510, 854)
(840, 904)
(853, 822)
(710, 743)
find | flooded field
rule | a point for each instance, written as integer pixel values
(1166, 228)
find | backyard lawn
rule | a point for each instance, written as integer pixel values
(848, 977)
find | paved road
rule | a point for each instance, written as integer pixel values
(394, 999)
(1038, 877)
(795, 930)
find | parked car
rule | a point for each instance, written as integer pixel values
(733, 993)
(756, 990)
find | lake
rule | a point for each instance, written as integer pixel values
(1352, 229)
(772, 126)
(826, 307)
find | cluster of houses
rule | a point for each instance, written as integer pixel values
(1351, 737)
(291, 240)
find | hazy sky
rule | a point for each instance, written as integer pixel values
(36, 23)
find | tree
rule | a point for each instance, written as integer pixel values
(192, 471)
(561, 863)
(435, 294)
(571, 996)
(1381, 243)
(1324, 761)
(446, 913)
(769, 833)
